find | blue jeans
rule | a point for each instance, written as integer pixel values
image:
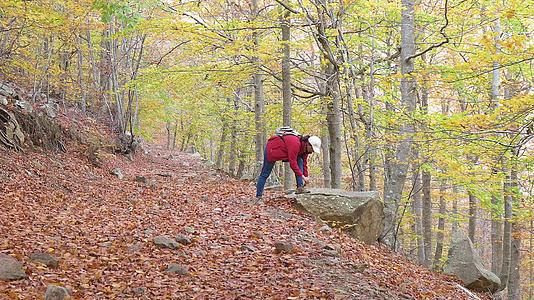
(266, 170)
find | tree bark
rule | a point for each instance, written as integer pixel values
(327, 183)
(514, 280)
(259, 99)
(399, 165)
(285, 23)
(496, 240)
(472, 217)
(418, 215)
(441, 225)
(427, 217)
(220, 154)
(507, 232)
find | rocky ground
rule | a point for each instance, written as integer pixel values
(170, 227)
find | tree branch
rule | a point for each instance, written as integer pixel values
(442, 31)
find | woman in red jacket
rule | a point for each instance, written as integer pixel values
(290, 148)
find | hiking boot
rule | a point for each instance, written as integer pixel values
(301, 190)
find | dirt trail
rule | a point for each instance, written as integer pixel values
(101, 230)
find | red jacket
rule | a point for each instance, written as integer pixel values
(288, 149)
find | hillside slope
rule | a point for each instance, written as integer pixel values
(101, 229)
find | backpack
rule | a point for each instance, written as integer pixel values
(286, 130)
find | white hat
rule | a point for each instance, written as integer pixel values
(315, 141)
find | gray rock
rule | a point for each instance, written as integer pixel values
(249, 248)
(117, 172)
(50, 109)
(10, 268)
(54, 292)
(135, 248)
(7, 90)
(138, 291)
(3, 100)
(283, 247)
(25, 106)
(182, 239)
(141, 179)
(45, 259)
(360, 214)
(177, 269)
(165, 242)
(189, 229)
(464, 262)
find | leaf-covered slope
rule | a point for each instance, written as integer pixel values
(101, 230)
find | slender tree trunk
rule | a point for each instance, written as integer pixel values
(427, 218)
(441, 225)
(233, 143)
(220, 154)
(514, 280)
(399, 165)
(531, 262)
(418, 215)
(327, 183)
(174, 134)
(454, 227)
(83, 92)
(285, 22)
(168, 128)
(506, 249)
(259, 99)
(472, 216)
(496, 240)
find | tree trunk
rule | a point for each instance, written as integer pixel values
(174, 134)
(83, 91)
(220, 154)
(427, 218)
(333, 117)
(168, 128)
(399, 165)
(441, 225)
(472, 216)
(285, 22)
(514, 280)
(259, 99)
(496, 240)
(454, 227)
(327, 183)
(418, 215)
(507, 232)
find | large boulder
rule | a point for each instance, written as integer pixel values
(360, 214)
(10, 268)
(464, 262)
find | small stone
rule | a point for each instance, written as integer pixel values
(331, 253)
(247, 248)
(283, 247)
(135, 248)
(117, 172)
(165, 242)
(325, 229)
(54, 292)
(329, 247)
(189, 229)
(141, 179)
(182, 239)
(138, 290)
(10, 268)
(224, 238)
(177, 269)
(205, 198)
(45, 259)
(3, 100)
(218, 210)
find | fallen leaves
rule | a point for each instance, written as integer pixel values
(101, 229)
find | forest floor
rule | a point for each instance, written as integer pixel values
(101, 229)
